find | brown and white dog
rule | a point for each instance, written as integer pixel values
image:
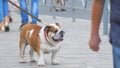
(42, 40)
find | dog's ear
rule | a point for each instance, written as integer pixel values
(47, 28)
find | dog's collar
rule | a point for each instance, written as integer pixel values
(45, 35)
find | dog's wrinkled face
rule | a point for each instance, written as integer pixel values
(54, 32)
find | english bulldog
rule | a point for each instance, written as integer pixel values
(42, 40)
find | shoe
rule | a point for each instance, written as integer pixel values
(21, 26)
(6, 23)
(63, 9)
(7, 28)
(56, 8)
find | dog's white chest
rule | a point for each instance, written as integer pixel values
(48, 48)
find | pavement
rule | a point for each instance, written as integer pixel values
(74, 53)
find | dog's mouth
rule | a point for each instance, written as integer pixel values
(58, 37)
(58, 40)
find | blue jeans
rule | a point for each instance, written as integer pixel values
(3, 9)
(116, 57)
(34, 11)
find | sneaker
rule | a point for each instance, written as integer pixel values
(7, 28)
(63, 9)
(6, 23)
(56, 8)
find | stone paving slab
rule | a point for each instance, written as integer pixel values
(75, 52)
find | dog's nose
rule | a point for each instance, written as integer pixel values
(62, 33)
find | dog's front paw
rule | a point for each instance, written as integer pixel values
(55, 62)
(22, 60)
(41, 64)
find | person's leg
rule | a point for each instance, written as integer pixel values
(63, 5)
(24, 16)
(116, 57)
(1, 16)
(34, 10)
(5, 4)
(6, 14)
(1, 10)
(57, 5)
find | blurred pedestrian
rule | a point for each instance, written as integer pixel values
(4, 18)
(59, 5)
(34, 11)
(97, 11)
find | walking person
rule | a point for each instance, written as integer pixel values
(34, 11)
(4, 18)
(59, 5)
(95, 40)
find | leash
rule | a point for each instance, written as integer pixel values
(24, 11)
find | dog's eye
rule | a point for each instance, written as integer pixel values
(56, 31)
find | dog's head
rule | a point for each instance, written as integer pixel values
(54, 33)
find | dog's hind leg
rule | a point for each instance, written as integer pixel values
(32, 55)
(22, 51)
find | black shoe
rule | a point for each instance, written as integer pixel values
(7, 28)
(56, 10)
(63, 9)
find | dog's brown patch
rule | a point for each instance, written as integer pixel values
(34, 39)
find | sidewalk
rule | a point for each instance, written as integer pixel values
(75, 52)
